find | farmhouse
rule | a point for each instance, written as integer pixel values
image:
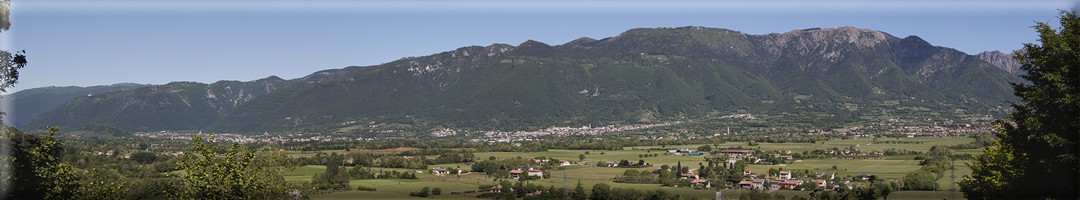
(746, 184)
(699, 182)
(439, 171)
(689, 176)
(536, 173)
(758, 184)
(515, 174)
(785, 174)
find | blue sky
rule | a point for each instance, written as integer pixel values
(87, 43)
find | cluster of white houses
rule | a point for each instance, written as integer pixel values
(784, 180)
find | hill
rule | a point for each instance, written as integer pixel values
(31, 102)
(174, 106)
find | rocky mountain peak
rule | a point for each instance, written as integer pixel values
(1005, 61)
(860, 37)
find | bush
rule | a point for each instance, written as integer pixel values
(422, 193)
(362, 188)
(436, 191)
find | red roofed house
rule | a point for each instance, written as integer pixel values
(785, 174)
(698, 182)
(689, 176)
(515, 174)
(745, 184)
(820, 182)
(790, 184)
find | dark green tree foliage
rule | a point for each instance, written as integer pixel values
(36, 169)
(153, 188)
(215, 172)
(335, 176)
(144, 157)
(422, 193)
(876, 190)
(359, 172)
(1037, 157)
(600, 191)
(635, 176)
(618, 193)
(579, 192)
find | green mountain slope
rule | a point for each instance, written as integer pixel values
(31, 102)
(640, 76)
(174, 106)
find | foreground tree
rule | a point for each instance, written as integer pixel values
(215, 172)
(10, 63)
(1037, 157)
(37, 171)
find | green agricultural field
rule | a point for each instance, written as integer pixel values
(893, 167)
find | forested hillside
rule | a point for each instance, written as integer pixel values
(640, 76)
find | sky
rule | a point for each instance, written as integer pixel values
(88, 43)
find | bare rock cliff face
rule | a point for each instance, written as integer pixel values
(1005, 61)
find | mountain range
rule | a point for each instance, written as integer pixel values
(173, 106)
(34, 101)
(643, 75)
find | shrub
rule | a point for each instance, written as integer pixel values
(436, 191)
(422, 193)
(362, 188)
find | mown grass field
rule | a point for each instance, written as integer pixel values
(893, 167)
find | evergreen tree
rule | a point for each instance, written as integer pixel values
(579, 192)
(1037, 157)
